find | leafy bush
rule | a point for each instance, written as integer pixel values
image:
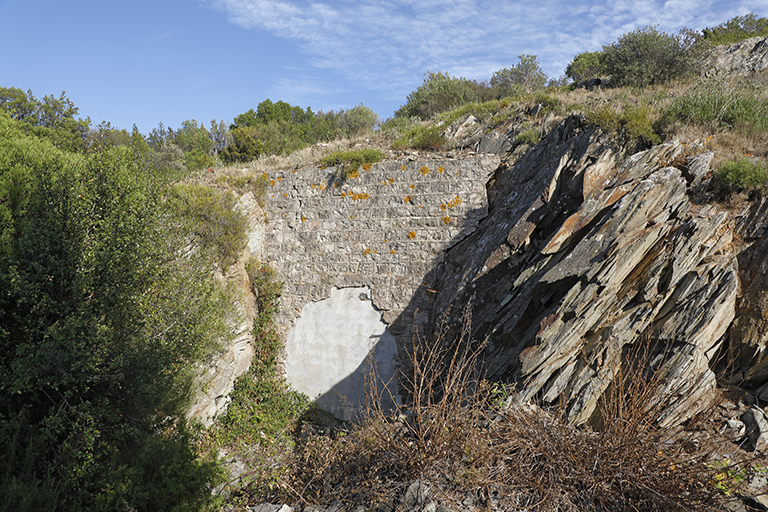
(646, 56)
(526, 75)
(438, 93)
(215, 225)
(263, 413)
(736, 29)
(350, 161)
(735, 105)
(741, 174)
(102, 329)
(421, 137)
(585, 66)
(633, 122)
(244, 146)
(530, 136)
(359, 120)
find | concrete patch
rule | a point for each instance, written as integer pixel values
(329, 346)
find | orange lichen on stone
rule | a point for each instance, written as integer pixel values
(367, 167)
(285, 194)
(314, 186)
(303, 219)
(446, 219)
(367, 251)
(411, 235)
(354, 175)
(402, 167)
(413, 186)
(271, 183)
(343, 194)
(441, 169)
(279, 178)
(424, 170)
(336, 185)
(443, 206)
(322, 186)
(392, 251)
(391, 180)
(453, 203)
(407, 199)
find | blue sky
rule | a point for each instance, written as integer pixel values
(146, 62)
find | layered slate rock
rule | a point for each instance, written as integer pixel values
(589, 258)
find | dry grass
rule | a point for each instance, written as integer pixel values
(462, 440)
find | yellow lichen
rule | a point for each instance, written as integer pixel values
(446, 219)
(411, 235)
(314, 186)
(354, 175)
(367, 167)
(367, 251)
(391, 180)
(407, 199)
(336, 185)
(424, 170)
(402, 167)
(343, 194)
(441, 169)
(443, 207)
(271, 183)
(392, 251)
(412, 186)
(303, 219)
(279, 178)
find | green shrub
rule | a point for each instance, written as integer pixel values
(438, 93)
(357, 121)
(585, 66)
(646, 56)
(735, 105)
(526, 75)
(530, 136)
(741, 174)
(421, 137)
(632, 122)
(736, 29)
(244, 147)
(103, 328)
(216, 227)
(352, 160)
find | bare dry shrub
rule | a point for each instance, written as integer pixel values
(474, 447)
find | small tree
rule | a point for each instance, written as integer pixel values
(585, 66)
(438, 93)
(646, 56)
(526, 75)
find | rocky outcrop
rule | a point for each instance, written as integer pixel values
(217, 379)
(587, 259)
(743, 58)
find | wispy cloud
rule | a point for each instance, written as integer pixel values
(385, 44)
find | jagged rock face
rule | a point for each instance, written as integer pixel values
(583, 257)
(742, 58)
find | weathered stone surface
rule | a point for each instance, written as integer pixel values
(742, 58)
(217, 379)
(386, 227)
(582, 259)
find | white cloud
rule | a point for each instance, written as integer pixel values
(389, 44)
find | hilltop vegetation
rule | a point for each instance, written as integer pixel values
(108, 239)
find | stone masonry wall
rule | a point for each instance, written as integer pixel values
(385, 229)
